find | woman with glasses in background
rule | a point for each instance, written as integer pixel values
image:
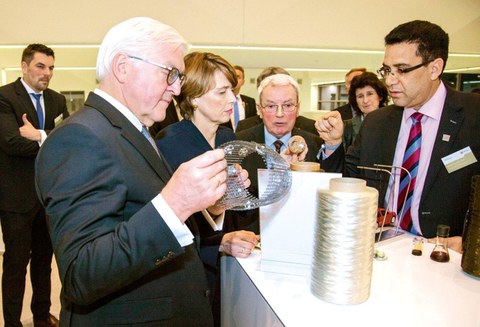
(367, 93)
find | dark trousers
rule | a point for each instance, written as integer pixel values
(26, 239)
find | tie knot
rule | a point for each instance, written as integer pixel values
(278, 145)
(145, 132)
(416, 117)
(36, 95)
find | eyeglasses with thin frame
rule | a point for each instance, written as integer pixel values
(286, 107)
(385, 71)
(173, 72)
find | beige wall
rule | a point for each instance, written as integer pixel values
(342, 25)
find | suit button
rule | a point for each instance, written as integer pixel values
(207, 293)
(170, 255)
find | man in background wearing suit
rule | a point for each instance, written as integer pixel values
(116, 214)
(245, 106)
(449, 147)
(347, 110)
(25, 123)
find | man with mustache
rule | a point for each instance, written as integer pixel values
(29, 110)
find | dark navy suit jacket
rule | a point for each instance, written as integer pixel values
(119, 263)
(17, 154)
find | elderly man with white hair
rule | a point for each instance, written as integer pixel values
(116, 214)
(279, 106)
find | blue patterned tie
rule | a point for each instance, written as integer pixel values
(39, 109)
(410, 162)
(149, 138)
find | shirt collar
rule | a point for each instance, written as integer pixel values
(120, 107)
(433, 107)
(28, 88)
(269, 138)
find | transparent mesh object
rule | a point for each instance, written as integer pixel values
(279, 177)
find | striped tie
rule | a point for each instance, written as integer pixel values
(278, 145)
(410, 162)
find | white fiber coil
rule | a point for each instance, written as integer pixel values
(344, 242)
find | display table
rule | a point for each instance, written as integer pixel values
(406, 290)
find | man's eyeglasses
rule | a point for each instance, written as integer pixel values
(286, 107)
(173, 73)
(399, 72)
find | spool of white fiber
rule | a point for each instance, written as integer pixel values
(344, 242)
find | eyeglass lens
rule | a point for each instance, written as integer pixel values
(288, 107)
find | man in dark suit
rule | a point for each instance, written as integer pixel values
(245, 106)
(415, 57)
(247, 103)
(25, 123)
(347, 111)
(116, 216)
(278, 95)
(278, 102)
(301, 122)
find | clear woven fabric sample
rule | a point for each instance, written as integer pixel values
(279, 177)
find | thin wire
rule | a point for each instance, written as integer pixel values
(389, 198)
(393, 190)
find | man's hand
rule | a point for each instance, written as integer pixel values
(238, 172)
(239, 243)
(28, 131)
(294, 157)
(330, 128)
(198, 184)
(296, 150)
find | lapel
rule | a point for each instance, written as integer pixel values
(391, 129)
(259, 133)
(245, 105)
(450, 122)
(27, 104)
(356, 123)
(131, 135)
(196, 136)
(49, 110)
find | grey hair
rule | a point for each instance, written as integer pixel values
(138, 36)
(278, 80)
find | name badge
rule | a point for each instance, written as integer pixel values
(459, 159)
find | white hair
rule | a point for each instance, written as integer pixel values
(138, 36)
(278, 80)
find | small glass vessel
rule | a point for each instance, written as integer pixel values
(417, 246)
(440, 251)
